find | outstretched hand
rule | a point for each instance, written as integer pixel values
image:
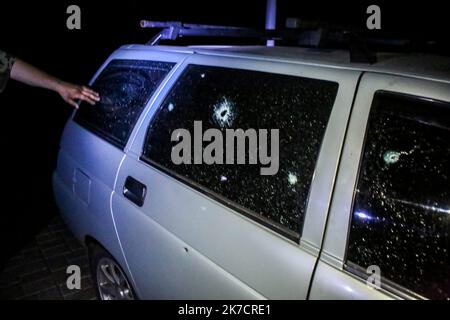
(71, 93)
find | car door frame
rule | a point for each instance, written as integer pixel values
(333, 279)
(326, 166)
(98, 222)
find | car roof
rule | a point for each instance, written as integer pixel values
(418, 65)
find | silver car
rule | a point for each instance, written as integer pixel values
(359, 206)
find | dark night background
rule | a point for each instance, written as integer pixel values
(32, 119)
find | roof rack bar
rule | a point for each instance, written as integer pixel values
(179, 24)
(175, 29)
(311, 37)
(307, 34)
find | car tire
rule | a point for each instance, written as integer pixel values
(110, 281)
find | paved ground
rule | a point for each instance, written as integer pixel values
(38, 271)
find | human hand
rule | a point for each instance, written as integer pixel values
(71, 92)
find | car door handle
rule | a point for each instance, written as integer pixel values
(135, 191)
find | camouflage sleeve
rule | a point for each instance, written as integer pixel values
(6, 63)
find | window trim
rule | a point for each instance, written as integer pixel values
(266, 222)
(353, 268)
(291, 235)
(326, 171)
(101, 133)
(386, 284)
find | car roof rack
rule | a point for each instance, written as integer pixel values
(308, 34)
(172, 30)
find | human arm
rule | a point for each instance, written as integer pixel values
(30, 75)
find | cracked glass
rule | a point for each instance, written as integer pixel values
(125, 87)
(401, 214)
(226, 98)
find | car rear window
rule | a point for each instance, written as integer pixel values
(401, 213)
(125, 87)
(226, 98)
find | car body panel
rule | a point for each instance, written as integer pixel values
(78, 157)
(87, 161)
(234, 243)
(182, 244)
(335, 244)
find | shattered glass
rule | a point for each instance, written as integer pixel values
(125, 86)
(401, 215)
(224, 98)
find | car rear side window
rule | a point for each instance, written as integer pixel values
(226, 98)
(401, 211)
(125, 86)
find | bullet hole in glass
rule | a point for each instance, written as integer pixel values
(292, 178)
(391, 157)
(224, 112)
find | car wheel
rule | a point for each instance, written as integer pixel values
(110, 281)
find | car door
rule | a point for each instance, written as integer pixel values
(95, 140)
(218, 231)
(388, 230)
